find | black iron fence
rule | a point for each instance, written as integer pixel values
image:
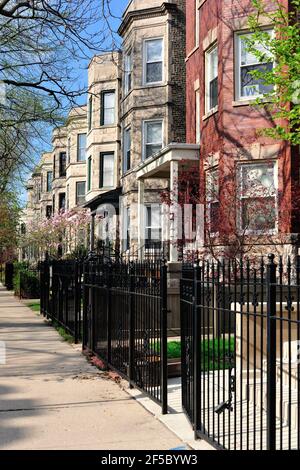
(61, 294)
(240, 353)
(124, 321)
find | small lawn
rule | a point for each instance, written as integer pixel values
(214, 352)
(35, 306)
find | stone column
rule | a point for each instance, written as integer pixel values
(174, 216)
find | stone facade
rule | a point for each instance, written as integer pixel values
(143, 22)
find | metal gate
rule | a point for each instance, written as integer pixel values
(240, 355)
(125, 321)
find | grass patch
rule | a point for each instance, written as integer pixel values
(35, 306)
(214, 352)
(62, 332)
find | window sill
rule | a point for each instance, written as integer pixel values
(210, 113)
(107, 126)
(191, 53)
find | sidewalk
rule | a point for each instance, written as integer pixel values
(51, 398)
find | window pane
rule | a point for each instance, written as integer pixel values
(213, 63)
(258, 180)
(109, 108)
(151, 149)
(154, 132)
(247, 57)
(81, 147)
(154, 50)
(258, 214)
(154, 72)
(127, 148)
(213, 93)
(251, 86)
(108, 170)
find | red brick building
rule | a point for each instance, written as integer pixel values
(236, 164)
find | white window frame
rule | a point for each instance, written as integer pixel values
(145, 83)
(128, 57)
(144, 126)
(208, 107)
(240, 166)
(198, 115)
(79, 148)
(76, 188)
(153, 227)
(237, 65)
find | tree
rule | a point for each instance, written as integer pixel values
(282, 49)
(44, 45)
(65, 229)
(9, 219)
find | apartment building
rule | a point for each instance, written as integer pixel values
(247, 178)
(59, 159)
(152, 115)
(103, 145)
(75, 174)
(46, 170)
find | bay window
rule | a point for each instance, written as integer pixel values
(89, 174)
(127, 72)
(153, 61)
(49, 181)
(248, 86)
(62, 164)
(80, 193)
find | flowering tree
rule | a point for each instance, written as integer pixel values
(65, 229)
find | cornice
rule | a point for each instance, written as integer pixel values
(131, 16)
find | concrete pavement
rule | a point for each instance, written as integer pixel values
(51, 398)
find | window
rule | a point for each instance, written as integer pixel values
(69, 150)
(81, 146)
(62, 164)
(53, 203)
(258, 205)
(153, 65)
(153, 226)
(211, 78)
(90, 113)
(127, 150)
(80, 193)
(106, 170)
(89, 174)
(48, 211)
(107, 108)
(62, 201)
(198, 120)
(49, 181)
(153, 137)
(127, 72)
(197, 23)
(248, 86)
(212, 199)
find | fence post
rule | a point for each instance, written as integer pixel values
(108, 307)
(131, 323)
(271, 353)
(164, 339)
(197, 349)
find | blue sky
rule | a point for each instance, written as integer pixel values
(44, 145)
